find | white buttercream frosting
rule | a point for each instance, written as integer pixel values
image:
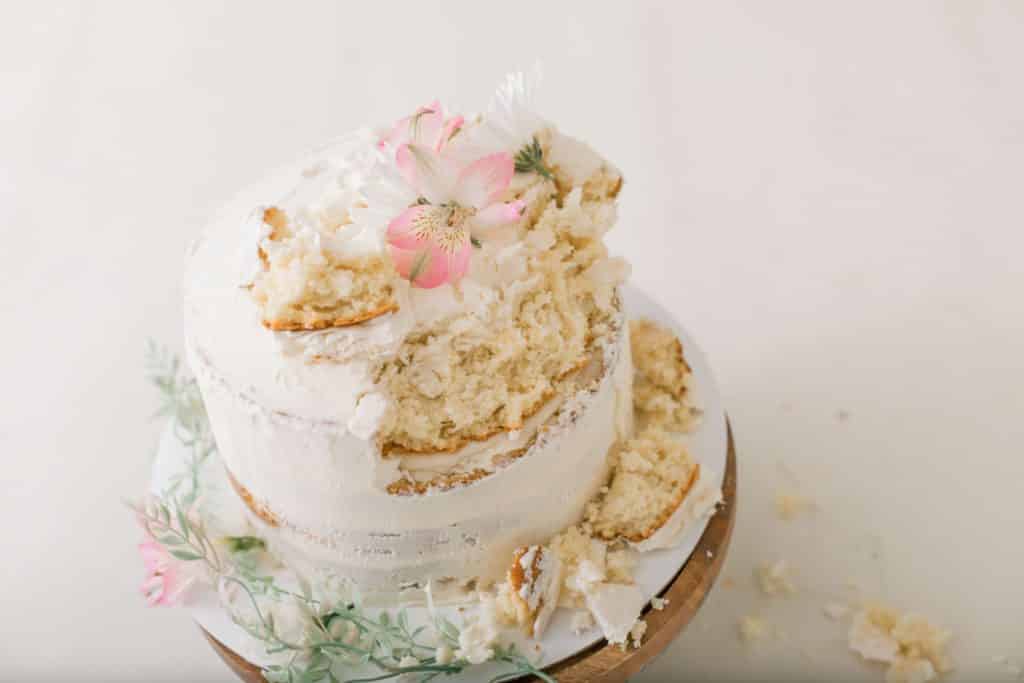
(616, 608)
(255, 232)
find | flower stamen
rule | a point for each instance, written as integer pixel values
(444, 225)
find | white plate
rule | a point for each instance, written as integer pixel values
(653, 572)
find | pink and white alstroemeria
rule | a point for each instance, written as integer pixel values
(166, 577)
(431, 241)
(426, 127)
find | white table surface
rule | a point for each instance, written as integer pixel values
(829, 197)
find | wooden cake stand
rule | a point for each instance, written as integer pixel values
(603, 663)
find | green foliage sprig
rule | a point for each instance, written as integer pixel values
(172, 524)
(336, 639)
(530, 159)
(181, 400)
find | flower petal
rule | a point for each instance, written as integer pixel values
(426, 268)
(153, 589)
(483, 181)
(487, 222)
(451, 127)
(425, 126)
(458, 263)
(154, 557)
(176, 590)
(400, 230)
(499, 214)
(429, 174)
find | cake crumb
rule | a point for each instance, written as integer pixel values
(753, 628)
(836, 611)
(775, 578)
(659, 603)
(314, 170)
(914, 648)
(910, 671)
(636, 634)
(1009, 666)
(619, 565)
(789, 506)
(582, 621)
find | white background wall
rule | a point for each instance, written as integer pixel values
(829, 196)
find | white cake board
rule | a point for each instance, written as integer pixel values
(654, 571)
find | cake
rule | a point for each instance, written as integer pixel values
(532, 587)
(421, 378)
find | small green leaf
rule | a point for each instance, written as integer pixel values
(530, 159)
(186, 555)
(182, 521)
(449, 629)
(241, 544)
(276, 674)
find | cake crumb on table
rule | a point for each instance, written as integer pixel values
(789, 506)
(836, 611)
(753, 628)
(914, 648)
(775, 579)
(1009, 666)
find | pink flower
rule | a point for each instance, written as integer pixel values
(166, 577)
(431, 241)
(426, 127)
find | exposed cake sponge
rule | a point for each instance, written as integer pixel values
(307, 285)
(661, 389)
(485, 372)
(531, 591)
(653, 474)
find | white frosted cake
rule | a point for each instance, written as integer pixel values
(419, 374)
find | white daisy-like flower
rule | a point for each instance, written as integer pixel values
(509, 125)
